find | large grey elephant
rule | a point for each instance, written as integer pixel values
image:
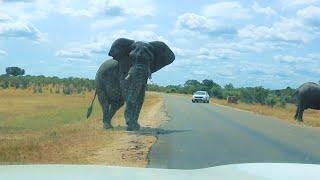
(308, 96)
(123, 79)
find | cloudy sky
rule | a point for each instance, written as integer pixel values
(248, 43)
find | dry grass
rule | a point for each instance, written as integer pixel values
(311, 117)
(50, 128)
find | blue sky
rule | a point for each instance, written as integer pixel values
(274, 44)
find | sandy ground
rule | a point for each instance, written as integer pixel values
(132, 148)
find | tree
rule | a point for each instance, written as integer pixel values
(208, 83)
(216, 91)
(15, 71)
(229, 87)
(192, 83)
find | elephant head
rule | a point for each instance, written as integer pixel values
(155, 54)
(138, 60)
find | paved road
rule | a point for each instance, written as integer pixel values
(205, 135)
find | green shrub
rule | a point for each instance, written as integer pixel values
(67, 90)
(271, 100)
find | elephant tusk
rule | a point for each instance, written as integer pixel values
(128, 77)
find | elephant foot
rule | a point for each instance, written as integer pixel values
(133, 127)
(107, 126)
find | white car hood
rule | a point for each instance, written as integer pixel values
(237, 171)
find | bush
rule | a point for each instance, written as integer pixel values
(282, 102)
(271, 100)
(40, 89)
(67, 90)
(4, 84)
(57, 90)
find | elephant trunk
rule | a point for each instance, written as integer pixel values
(139, 71)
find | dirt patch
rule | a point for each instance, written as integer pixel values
(132, 148)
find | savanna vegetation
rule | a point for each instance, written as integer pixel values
(247, 95)
(43, 120)
(52, 128)
(55, 85)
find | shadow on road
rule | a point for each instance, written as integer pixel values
(150, 131)
(157, 131)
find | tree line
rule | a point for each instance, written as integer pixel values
(53, 84)
(252, 95)
(14, 79)
(249, 95)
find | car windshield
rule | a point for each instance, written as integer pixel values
(159, 84)
(200, 93)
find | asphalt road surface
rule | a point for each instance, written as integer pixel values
(204, 135)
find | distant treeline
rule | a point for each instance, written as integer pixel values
(52, 84)
(253, 95)
(250, 95)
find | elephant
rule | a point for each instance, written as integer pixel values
(308, 96)
(123, 79)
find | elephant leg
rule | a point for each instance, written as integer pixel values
(300, 114)
(297, 113)
(129, 116)
(134, 108)
(140, 101)
(114, 107)
(105, 105)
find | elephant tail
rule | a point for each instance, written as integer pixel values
(91, 105)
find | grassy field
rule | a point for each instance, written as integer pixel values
(52, 128)
(311, 117)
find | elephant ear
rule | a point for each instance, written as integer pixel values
(162, 55)
(120, 47)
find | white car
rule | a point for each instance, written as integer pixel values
(201, 96)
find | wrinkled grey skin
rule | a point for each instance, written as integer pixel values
(124, 78)
(308, 96)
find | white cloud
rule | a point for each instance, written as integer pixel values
(202, 24)
(21, 30)
(108, 8)
(303, 2)
(107, 23)
(139, 35)
(74, 53)
(85, 50)
(15, 19)
(150, 26)
(100, 45)
(15, 1)
(3, 53)
(233, 10)
(287, 30)
(310, 15)
(28, 10)
(289, 59)
(309, 58)
(263, 10)
(4, 17)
